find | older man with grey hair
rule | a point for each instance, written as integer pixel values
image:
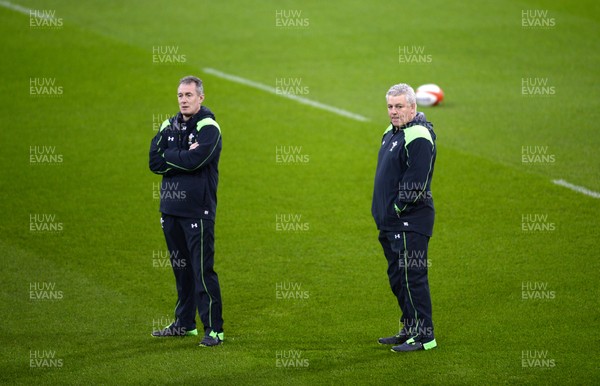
(404, 213)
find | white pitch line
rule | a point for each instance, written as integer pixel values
(273, 90)
(19, 8)
(577, 188)
(15, 7)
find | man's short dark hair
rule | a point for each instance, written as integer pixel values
(193, 79)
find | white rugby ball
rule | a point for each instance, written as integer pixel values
(429, 95)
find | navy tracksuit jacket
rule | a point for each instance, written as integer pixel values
(188, 205)
(403, 211)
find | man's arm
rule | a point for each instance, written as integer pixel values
(158, 164)
(413, 187)
(201, 153)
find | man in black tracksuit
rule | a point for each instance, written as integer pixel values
(403, 211)
(186, 153)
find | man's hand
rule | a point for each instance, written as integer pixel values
(194, 145)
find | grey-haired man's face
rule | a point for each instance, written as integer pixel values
(189, 100)
(400, 111)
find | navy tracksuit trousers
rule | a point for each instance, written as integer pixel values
(191, 248)
(406, 253)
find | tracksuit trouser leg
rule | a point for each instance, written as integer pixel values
(191, 247)
(406, 254)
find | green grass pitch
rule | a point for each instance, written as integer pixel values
(514, 257)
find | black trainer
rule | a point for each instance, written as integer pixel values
(414, 345)
(211, 339)
(396, 339)
(174, 331)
